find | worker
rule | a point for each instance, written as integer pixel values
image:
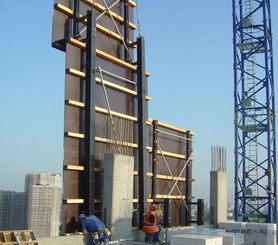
(94, 229)
(159, 220)
(150, 224)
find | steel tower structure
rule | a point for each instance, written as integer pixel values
(255, 143)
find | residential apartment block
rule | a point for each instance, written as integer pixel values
(43, 192)
(12, 210)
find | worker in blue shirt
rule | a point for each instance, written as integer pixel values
(94, 228)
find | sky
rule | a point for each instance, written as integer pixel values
(189, 53)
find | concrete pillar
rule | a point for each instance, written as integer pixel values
(218, 197)
(118, 195)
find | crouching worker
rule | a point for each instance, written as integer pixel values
(94, 230)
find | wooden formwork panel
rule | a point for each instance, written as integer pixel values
(115, 110)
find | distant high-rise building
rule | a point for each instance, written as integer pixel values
(12, 210)
(43, 203)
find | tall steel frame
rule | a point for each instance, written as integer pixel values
(255, 143)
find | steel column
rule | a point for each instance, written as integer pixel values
(143, 157)
(126, 29)
(154, 159)
(188, 177)
(90, 110)
(76, 18)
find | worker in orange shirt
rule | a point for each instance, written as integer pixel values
(150, 224)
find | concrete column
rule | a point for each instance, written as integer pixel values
(118, 195)
(218, 197)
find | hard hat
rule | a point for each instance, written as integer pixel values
(81, 216)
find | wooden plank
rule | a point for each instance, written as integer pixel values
(168, 154)
(73, 201)
(115, 60)
(100, 110)
(74, 167)
(108, 32)
(106, 56)
(78, 201)
(167, 177)
(116, 87)
(69, 12)
(102, 8)
(128, 144)
(178, 197)
(77, 43)
(161, 196)
(74, 135)
(166, 125)
(81, 168)
(112, 34)
(192, 133)
(75, 73)
(81, 105)
(148, 74)
(113, 113)
(81, 74)
(63, 9)
(75, 103)
(111, 141)
(132, 3)
(100, 139)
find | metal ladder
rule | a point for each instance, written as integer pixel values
(252, 151)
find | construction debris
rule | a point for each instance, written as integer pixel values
(18, 237)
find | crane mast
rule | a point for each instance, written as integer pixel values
(255, 143)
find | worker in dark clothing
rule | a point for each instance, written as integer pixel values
(150, 224)
(94, 229)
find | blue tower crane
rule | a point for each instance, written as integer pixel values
(255, 143)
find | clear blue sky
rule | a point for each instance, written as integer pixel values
(188, 52)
